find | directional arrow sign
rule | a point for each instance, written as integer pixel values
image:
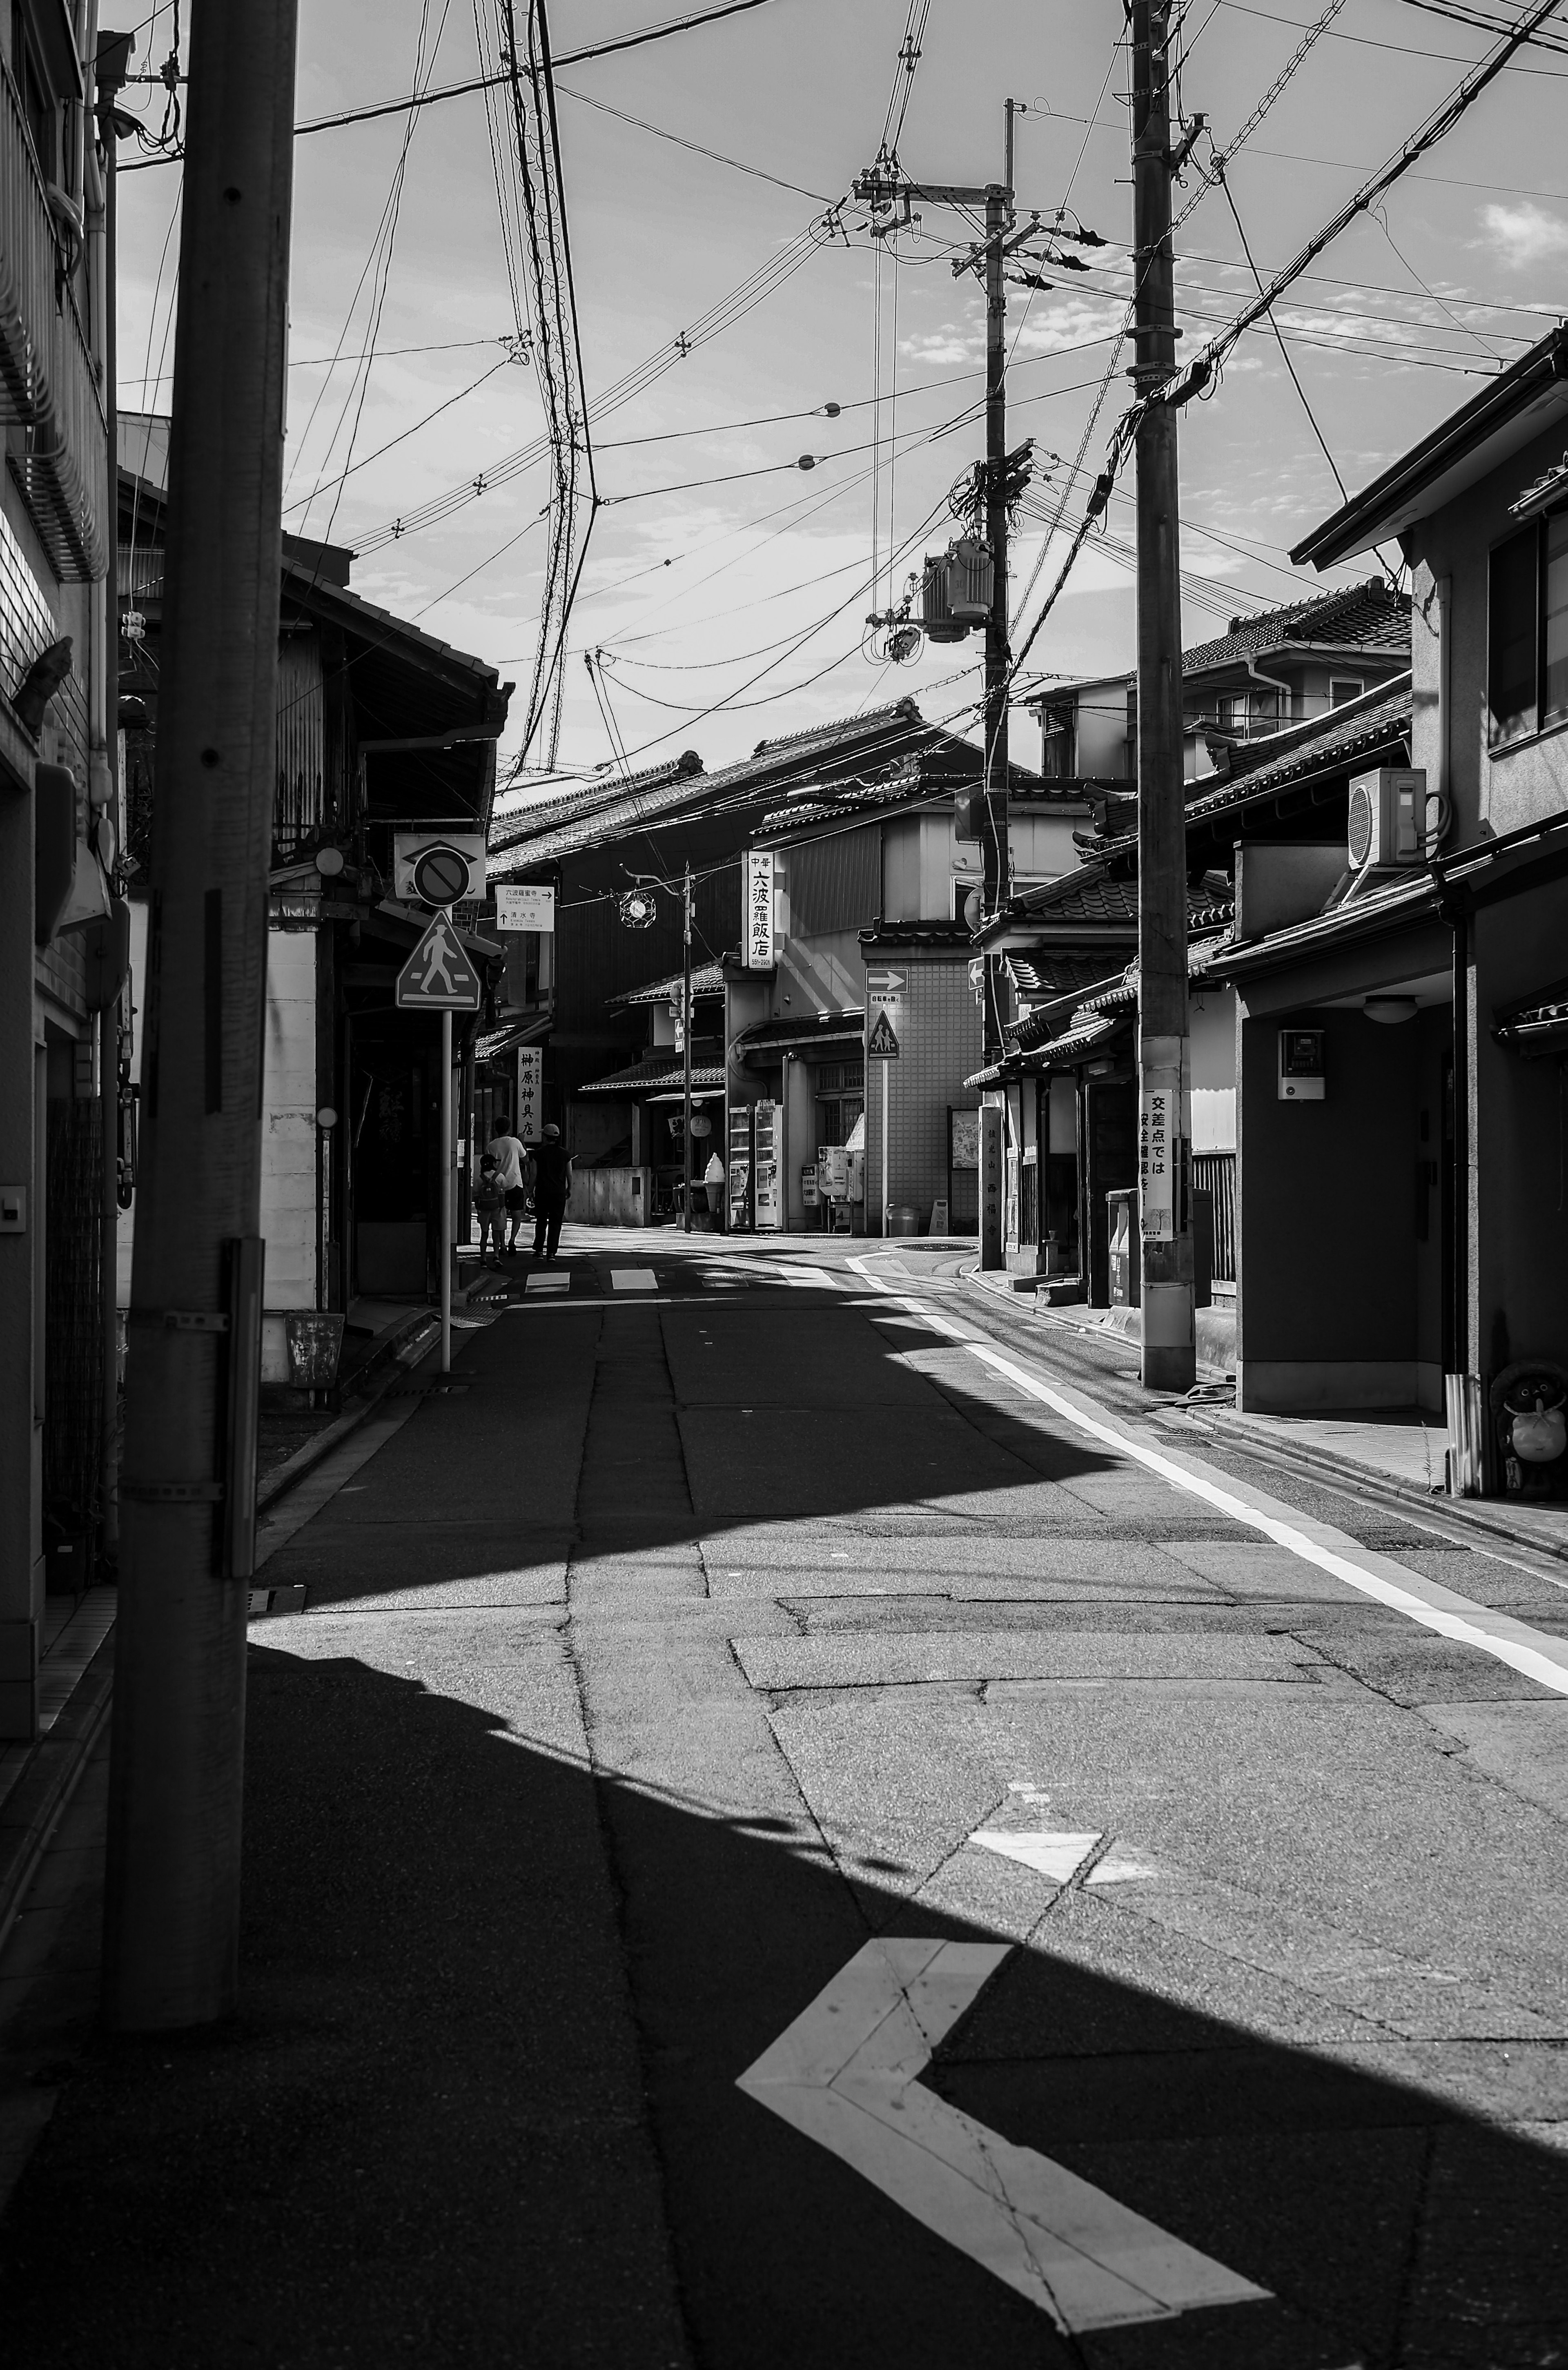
(846, 2073)
(438, 976)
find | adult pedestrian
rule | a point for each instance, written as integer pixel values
(552, 1183)
(507, 1152)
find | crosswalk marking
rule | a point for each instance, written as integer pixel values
(634, 1278)
(540, 1282)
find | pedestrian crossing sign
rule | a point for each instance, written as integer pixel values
(438, 975)
(882, 1043)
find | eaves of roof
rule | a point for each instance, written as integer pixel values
(643, 1076)
(1404, 905)
(1509, 412)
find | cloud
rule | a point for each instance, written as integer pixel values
(1524, 234)
(946, 345)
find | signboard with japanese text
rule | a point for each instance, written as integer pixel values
(521, 906)
(530, 1093)
(1156, 1161)
(760, 955)
(438, 975)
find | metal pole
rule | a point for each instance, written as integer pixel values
(1164, 1043)
(993, 832)
(686, 1040)
(885, 1067)
(188, 1494)
(446, 1151)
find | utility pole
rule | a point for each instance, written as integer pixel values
(189, 1490)
(1164, 1042)
(994, 830)
(449, 1158)
(686, 1043)
(886, 192)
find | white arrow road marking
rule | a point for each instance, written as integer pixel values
(1047, 1850)
(846, 2074)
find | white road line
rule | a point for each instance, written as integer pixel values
(634, 1278)
(1049, 1851)
(539, 1281)
(846, 2074)
(1535, 1654)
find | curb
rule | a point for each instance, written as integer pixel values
(1102, 1330)
(1463, 1511)
(36, 1804)
(405, 1345)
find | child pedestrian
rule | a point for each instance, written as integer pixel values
(489, 1208)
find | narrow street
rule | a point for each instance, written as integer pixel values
(749, 1624)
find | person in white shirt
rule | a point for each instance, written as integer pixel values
(509, 1155)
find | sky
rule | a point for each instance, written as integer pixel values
(726, 591)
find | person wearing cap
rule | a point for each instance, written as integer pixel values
(552, 1183)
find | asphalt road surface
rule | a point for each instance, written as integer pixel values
(806, 1822)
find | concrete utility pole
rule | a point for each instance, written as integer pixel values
(685, 1044)
(189, 1490)
(994, 834)
(1164, 1043)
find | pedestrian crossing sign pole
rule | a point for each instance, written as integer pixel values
(440, 977)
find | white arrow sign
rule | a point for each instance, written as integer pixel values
(846, 2073)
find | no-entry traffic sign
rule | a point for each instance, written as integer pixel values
(438, 975)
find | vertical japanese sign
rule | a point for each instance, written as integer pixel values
(1158, 1114)
(530, 1092)
(991, 1149)
(759, 909)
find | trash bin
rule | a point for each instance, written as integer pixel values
(902, 1220)
(1125, 1243)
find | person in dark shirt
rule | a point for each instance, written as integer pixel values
(552, 1183)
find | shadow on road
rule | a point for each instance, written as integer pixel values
(495, 2009)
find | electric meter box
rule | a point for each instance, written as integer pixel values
(1301, 1065)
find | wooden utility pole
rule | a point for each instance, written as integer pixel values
(685, 1044)
(188, 1492)
(1164, 1042)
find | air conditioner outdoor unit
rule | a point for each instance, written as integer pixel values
(1387, 821)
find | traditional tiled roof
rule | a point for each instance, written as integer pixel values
(1091, 901)
(1361, 732)
(655, 1071)
(708, 979)
(1039, 974)
(612, 809)
(938, 935)
(1367, 616)
(791, 1035)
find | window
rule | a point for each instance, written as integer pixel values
(1343, 688)
(1059, 739)
(1244, 712)
(1527, 654)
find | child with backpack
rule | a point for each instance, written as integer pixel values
(489, 1208)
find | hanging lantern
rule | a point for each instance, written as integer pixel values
(639, 909)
